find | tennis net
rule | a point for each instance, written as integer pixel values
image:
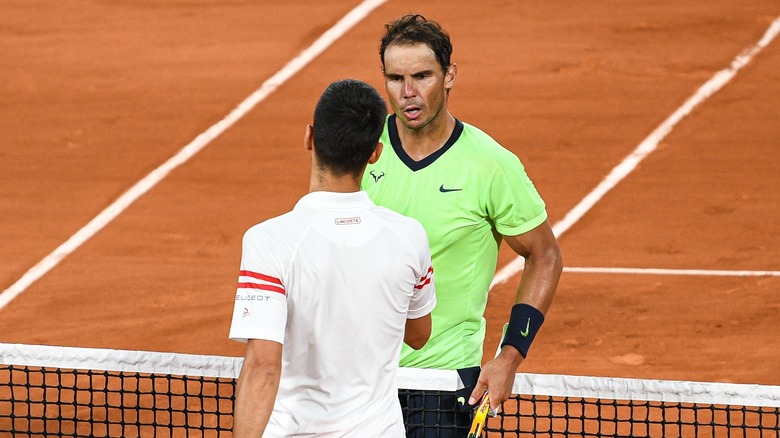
(70, 391)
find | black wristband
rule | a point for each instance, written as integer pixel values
(524, 323)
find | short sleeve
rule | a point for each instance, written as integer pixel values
(424, 297)
(260, 309)
(514, 205)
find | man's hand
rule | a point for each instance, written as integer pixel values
(497, 377)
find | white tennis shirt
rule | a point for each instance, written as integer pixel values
(334, 280)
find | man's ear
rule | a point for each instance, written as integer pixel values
(308, 139)
(375, 155)
(450, 75)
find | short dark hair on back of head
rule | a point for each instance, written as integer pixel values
(413, 29)
(348, 121)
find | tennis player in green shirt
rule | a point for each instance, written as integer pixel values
(469, 193)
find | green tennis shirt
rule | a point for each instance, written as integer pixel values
(466, 195)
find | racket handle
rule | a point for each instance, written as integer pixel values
(480, 417)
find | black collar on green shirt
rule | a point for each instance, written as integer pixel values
(392, 131)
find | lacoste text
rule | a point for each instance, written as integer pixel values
(347, 220)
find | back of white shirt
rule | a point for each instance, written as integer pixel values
(334, 280)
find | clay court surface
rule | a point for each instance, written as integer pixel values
(97, 94)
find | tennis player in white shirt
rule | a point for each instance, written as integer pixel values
(328, 291)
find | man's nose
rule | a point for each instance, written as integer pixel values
(409, 88)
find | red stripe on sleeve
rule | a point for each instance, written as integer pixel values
(422, 285)
(425, 279)
(267, 287)
(260, 276)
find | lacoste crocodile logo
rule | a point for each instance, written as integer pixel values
(443, 190)
(377, 176)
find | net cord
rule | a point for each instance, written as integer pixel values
(99, 359)
(425, 379)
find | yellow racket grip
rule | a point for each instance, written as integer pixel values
(480, 417)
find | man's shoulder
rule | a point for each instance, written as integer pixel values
(474, 133)
(483, 144)
(274, 226)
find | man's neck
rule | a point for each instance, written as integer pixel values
(321, 182)
(420, 143)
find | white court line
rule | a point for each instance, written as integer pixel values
(195, 146)
(647, 146)
(659, 271)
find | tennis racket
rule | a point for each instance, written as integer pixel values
(480, 417)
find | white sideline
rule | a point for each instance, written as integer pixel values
(195, 146)
(647, 146)
(660, 271)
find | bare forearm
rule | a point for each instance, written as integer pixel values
(255, 394)
(543, 266)
(538, 283)
(537, 289)
(540, 279)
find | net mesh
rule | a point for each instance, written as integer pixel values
(35, 400)
(115, 393)
(557, 416)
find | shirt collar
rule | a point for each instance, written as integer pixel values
(335, 200)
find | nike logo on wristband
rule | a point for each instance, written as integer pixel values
(525, 332)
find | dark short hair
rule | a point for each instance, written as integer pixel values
(413, 29)
(348, 121)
